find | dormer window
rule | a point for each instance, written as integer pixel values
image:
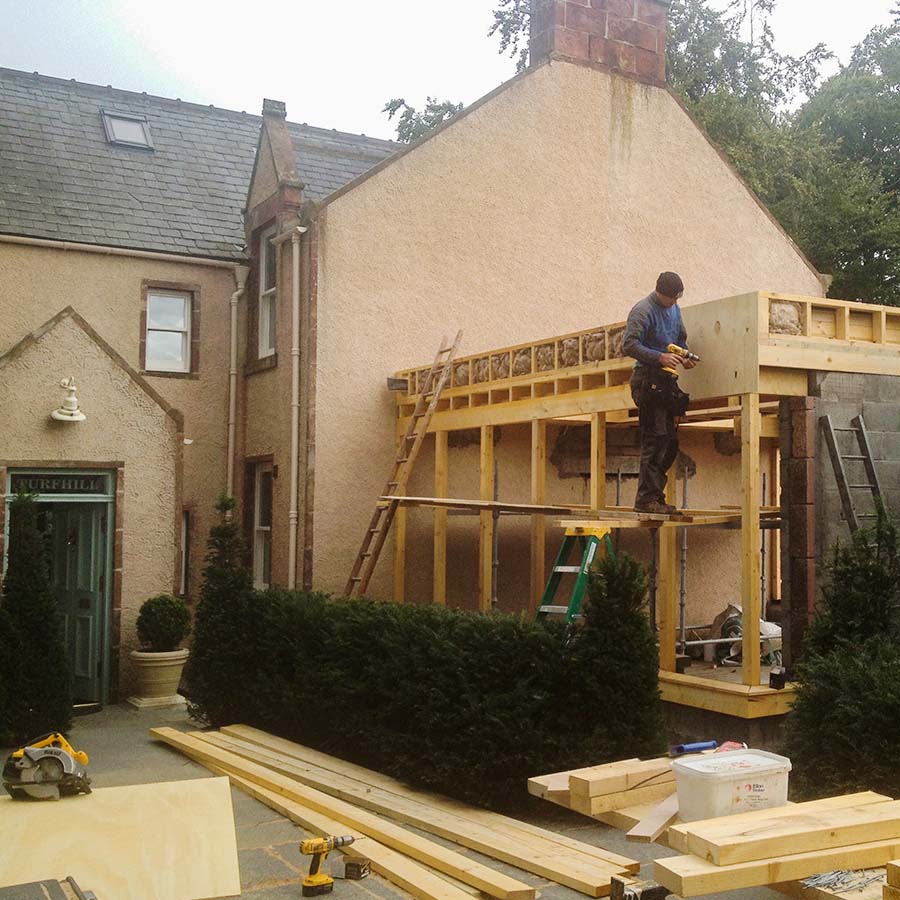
(126, 130)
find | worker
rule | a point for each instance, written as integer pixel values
(653, 324)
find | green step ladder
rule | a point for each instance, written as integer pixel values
(588, 540)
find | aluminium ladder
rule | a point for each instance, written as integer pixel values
(426, 404)
(858, 427)
(588, 540)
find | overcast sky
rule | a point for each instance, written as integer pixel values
(335, 62)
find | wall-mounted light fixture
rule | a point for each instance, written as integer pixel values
(69, 411)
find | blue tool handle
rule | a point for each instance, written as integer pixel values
(680, 749)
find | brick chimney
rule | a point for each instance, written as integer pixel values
(628, 35)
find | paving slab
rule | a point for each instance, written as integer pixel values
(122, 752)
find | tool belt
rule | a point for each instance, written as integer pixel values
(661, 389)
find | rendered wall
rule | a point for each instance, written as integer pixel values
(549, 208)
(36, 282)
(124, 424)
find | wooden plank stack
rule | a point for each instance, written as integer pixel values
(329, 796)
(601, 791)
(792, 842)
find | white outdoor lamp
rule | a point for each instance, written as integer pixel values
(69, 411)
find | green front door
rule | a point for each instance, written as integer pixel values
(78, 572)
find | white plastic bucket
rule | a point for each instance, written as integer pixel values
(720, 784)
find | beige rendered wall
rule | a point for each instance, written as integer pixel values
(37, 282)
(124, 424)
(550, 208)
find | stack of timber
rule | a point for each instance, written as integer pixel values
(618, 793)
(772, 846)
(891, 890)
(327, 795)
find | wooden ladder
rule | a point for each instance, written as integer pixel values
(426, 403)
(858, 427)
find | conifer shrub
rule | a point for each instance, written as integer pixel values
(37, 695)
(841, 734)
(468, 704)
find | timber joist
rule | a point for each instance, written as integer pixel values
(758, 343)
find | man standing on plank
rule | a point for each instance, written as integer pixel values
(653, 324)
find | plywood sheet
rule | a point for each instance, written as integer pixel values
(170, 841)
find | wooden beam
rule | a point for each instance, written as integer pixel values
(525, 509)
(739, 700)
(598, 460)
(206, 749)
(751, 594)
(400, 554)
(486, 536)
(667, 586)
(441, 486)
(651, 828)
(538, 522)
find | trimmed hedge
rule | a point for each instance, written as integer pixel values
(841, 734)
(468, 704)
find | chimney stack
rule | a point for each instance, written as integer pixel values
(627, 35)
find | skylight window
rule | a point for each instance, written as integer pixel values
(127, 130)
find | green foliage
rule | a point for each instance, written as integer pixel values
(163, 623)
(511, 21)
(841, 733)
(467, 704)
(412, 124)
(226, 598)
(38, 693)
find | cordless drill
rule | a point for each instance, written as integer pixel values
(316, 881)
(684, 354)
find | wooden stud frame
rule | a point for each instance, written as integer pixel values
(779, 338)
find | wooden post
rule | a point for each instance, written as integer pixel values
(486, 538)
(750, 585)
(774, 499)
(441, 476)
(598, 460)
(400, 554)
(667, 581)
(538, 523)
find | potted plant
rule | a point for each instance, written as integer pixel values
(163, 623)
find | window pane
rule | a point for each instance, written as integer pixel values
(270, 301)
(270, 265)
(167, 311)
(264, 504)
(167, 349)
(266, 558)
(127, 130)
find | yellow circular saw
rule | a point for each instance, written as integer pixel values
(46, 768)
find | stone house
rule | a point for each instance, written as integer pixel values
(230, 292)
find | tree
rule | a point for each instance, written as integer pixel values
(412, 124)
(38, 690)
(219, 647)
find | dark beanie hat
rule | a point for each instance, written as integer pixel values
(669, 284)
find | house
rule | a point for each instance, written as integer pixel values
(230, 292)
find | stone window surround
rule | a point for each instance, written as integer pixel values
(193, 290)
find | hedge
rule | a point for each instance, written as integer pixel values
(467, 704)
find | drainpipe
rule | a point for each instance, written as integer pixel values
(294, 513)
(240, 279)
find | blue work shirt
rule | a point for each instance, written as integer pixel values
(651, 327)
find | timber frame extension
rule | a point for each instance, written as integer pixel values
(756, 348)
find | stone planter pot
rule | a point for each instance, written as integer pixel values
(158, 675)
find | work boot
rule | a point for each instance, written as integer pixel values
(656, 508)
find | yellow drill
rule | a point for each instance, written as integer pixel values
(684, 354)
(316, 881)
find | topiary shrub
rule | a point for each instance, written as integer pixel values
(841, 732)
(220, 652)
(163, 623)
(464, 703)
(38, 695)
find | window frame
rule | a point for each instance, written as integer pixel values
(191, 361)
(262, 534)
(267, 298)
(107, 116)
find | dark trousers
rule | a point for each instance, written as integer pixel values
(659, 441)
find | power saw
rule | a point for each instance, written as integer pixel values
(46, 768)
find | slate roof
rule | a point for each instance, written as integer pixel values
(61, 179)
